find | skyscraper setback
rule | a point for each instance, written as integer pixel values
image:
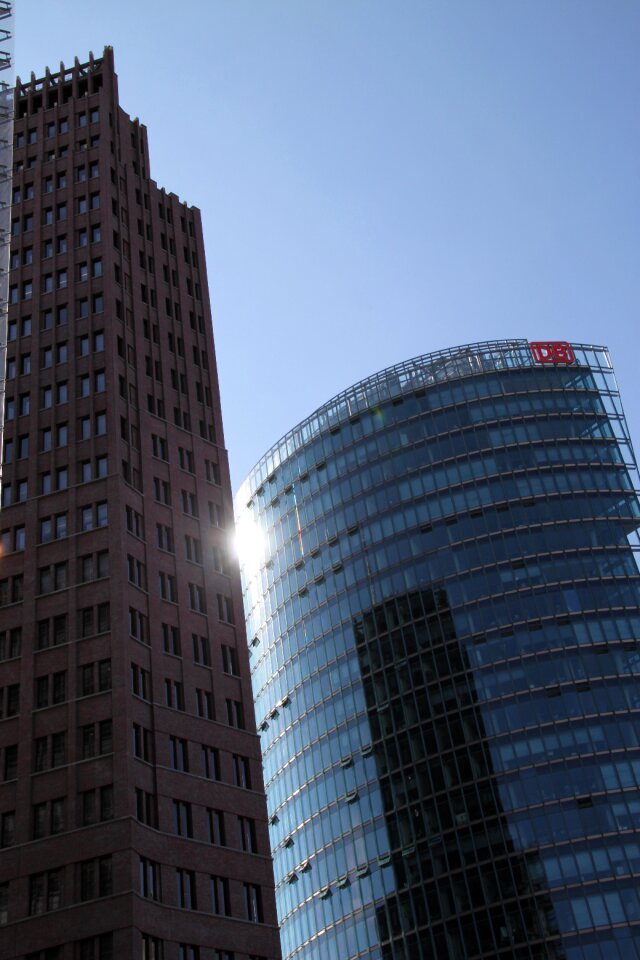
(132, 814)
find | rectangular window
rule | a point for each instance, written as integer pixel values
(186, 889)
(182, 818)
(241, 771)
(216, 827)
(235, 714)
(210, 762)
(220, 903)
(253, 903)
(95, 878)
(247, 834)
(150, 886)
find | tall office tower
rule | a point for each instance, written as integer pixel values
(443, 603)
(132, 811)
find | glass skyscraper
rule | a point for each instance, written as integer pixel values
(443, 608)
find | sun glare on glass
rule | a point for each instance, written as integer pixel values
(250, 545)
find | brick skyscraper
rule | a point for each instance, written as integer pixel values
(132, 813)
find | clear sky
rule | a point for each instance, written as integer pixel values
(383, 178)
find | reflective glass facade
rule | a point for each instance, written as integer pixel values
(443, 605)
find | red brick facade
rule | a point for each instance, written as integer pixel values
(132, 814)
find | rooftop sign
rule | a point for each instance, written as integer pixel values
(552, 351)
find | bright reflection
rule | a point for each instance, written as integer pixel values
(250, 545)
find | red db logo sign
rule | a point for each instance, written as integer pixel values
(552, 351)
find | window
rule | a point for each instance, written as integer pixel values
(8, 829)
(96, 948)
(96, 739)
(95, 878)
(225, 609)
(188, 951)
(190, 503)
(93, 566)
(52, 578)
(152, 947)
(186, 889)
(140, 682)
(138, 627)
(204, 703)
(216, 827)
(186, 460)
(171, 639)
(94, 677)
(174, 694)
(241, 771)
(10, 643)
(51, 633)
(193, 549)
(9, 701)
(168, 587)
(94, 620)
(164, 537)
(10, 763)
(50, 751)
(179, 754)
(247, 834)
(210, 762)
(220, 902)
(230, 660)
(162, 491)
(134, 522)
(146, 808)
(45, 892)
(182, 818)
(235, 714)
(150, 886)
(159, 447)
(201, 651)
(253, 903)
(197, 599)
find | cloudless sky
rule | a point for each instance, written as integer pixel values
(382, 178)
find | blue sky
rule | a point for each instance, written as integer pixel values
(381, 179)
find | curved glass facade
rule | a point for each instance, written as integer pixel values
(443, 600)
